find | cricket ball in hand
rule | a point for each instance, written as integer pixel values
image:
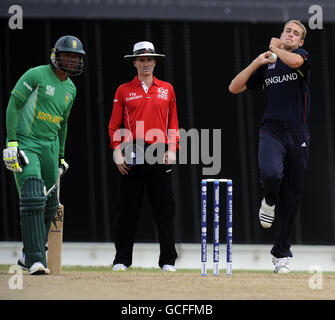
(273, 57)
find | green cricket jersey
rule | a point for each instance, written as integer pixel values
(45, 106)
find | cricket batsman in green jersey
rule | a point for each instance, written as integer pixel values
(36, 123)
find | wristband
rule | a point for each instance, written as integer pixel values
(13, 144)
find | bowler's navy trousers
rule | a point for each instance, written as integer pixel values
(282, 160)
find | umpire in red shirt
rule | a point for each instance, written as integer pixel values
(146, 110)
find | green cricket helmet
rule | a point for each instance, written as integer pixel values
(68, 44)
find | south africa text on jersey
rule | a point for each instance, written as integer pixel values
(49, 117)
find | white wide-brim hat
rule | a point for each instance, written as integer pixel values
(143, 49)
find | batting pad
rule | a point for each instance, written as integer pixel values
(32, 207)
(52, 205)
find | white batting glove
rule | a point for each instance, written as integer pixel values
(14, 158)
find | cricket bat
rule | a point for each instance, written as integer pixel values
(55, 238)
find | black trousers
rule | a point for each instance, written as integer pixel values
(157, 179)
(282, 160)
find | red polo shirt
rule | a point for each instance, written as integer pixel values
(143, 113)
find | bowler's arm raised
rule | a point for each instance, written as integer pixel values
(238, 84)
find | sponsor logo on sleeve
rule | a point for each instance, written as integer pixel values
(27, 86)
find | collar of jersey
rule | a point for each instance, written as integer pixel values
(138, 82)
